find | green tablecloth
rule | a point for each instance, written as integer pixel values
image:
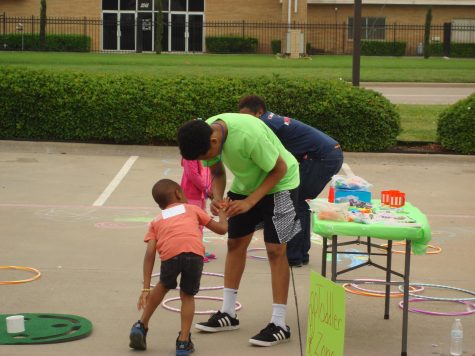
(419, 236)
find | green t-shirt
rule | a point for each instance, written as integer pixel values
(250, 153)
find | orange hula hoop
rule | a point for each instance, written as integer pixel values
(20, 268)
(346, 286)
(437, 249)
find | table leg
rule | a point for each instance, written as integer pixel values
(407, 267)
(388, 278)
(324, 256)
(334, 256)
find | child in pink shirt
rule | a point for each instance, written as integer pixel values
(175, 234)
(195, 182)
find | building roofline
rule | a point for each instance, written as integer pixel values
(396, 2)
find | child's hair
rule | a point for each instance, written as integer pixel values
(253, 103)
(194, 139)
(163, 192)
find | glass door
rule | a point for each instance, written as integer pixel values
(178, 30)
(145, 21)
(195, 31)
(127, 32)
(109, 31)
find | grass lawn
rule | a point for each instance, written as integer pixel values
(419, 122)
(373, 69)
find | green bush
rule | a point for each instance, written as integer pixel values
(276, 46)
(64, 106)
(456, 126)
(57, 43)
(457, 50)
(379, 48)
(231, 44)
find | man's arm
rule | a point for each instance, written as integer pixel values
(272, 178)
(218, 186)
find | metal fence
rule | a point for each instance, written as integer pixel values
(133, 33)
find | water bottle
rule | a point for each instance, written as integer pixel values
(456, 338)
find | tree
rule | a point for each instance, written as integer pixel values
(158, 27)
(427, 32)
(43, 24)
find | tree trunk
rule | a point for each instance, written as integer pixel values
(43, 25)
(427, 33)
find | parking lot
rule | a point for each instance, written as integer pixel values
(65, 211)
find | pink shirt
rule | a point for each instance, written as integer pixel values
(177, 229)
(196, 179)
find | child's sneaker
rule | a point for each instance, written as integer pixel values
(219, 322)
(184, 348)
(138, 336)
(271, 335)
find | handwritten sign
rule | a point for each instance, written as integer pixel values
(326, 317)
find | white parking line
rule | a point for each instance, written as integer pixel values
(346, 168)
(115, 182)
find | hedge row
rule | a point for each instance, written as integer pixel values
(43, 105)
(457, 50)
(56, 43)
(231, 44)
(456, 126)
(379, 48)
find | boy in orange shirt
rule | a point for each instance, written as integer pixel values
(175, 234)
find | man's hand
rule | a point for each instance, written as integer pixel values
(217, 205)
(237, 207)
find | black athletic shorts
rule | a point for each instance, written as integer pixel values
(189, 265)
(275, 213)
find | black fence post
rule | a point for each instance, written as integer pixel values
(447, 38)
(139, 44)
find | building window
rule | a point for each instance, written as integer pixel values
(178, 5)
(127, 5)
(196, 5)
(372, 28)
(110, 4)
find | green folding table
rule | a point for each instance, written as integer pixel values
(416, 236)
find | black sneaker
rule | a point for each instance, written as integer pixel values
(218, 322)
(184, 348)
(271, 335)
(138, 336)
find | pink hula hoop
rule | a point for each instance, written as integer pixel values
(254, 256)
(201, 288)
(165, 306)
(470, 307)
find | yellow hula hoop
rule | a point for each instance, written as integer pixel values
(29, 269)
(437, 249)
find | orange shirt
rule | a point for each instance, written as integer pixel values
(177, 229)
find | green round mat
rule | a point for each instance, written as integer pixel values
(45, 328)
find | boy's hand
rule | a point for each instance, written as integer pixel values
(217, 205)
(143, 300)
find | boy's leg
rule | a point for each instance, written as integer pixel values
(280, 274)
(155, 298)
(187, 313)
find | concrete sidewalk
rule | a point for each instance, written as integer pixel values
(91, 256)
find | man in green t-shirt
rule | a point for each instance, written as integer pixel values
(263, 195)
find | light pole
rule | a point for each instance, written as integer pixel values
(19, 28)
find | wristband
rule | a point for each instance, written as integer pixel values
(146, 290)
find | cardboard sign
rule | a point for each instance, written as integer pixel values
(326, 317)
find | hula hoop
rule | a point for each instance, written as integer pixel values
(470, 307)
(254, 256)
(164, 304)
(442, 287)
(437, 249)
(379, 294)
(356, 286)
(29, 269)
(201, 288)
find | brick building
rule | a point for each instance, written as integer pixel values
(188, 22)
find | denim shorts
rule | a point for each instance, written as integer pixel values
(189, 265)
